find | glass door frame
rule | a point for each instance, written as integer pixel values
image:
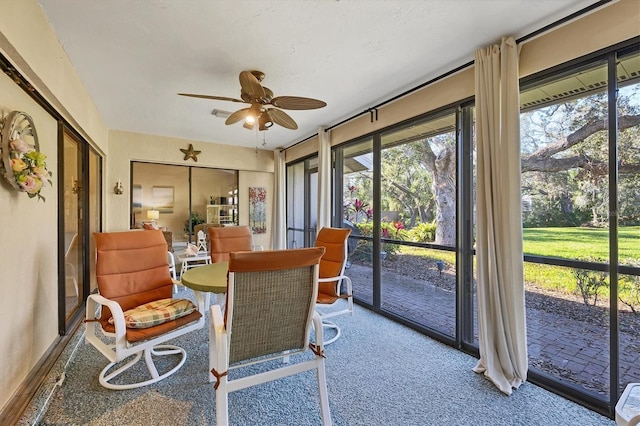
(65, 324)
(308, 232)
(463, 338)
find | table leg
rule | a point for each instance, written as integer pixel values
(201, 299)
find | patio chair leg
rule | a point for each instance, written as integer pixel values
(159, 350)
(331, 325)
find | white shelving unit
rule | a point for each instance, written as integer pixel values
(224, 214)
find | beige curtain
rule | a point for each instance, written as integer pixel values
(324, 179)
(279, 221)
(501, 309)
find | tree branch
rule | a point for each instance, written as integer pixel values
(542, 161)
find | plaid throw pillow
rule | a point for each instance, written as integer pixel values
(156, 312)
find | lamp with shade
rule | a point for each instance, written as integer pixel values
(152, 216)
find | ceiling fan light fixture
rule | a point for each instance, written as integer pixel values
(265, 120)
(254, 93)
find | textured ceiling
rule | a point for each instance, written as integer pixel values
(134, 56)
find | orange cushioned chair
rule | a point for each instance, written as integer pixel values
(228, 239)
(134, 312)
(332, 265)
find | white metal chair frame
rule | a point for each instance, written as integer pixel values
(202, 242)
(326, 314)
(173, 271)
(219, 351)
(116, 348)
(120, 349)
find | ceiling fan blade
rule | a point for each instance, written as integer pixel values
(251, 86)
(297, 102)
(239, 115)
(218, 98)
(281, 118)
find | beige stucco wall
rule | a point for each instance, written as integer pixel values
(255, 169)
(605, 27)
(28, 256)
(28, 229)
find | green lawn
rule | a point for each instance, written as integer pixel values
(570, 243)
(582, 243)
(576, 243)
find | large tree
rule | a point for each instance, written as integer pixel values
(565, 152)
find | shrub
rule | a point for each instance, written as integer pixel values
(423, 232)
(589, 284)
(389, 230)
(629, 291)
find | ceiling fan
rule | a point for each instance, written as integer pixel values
(254, 93)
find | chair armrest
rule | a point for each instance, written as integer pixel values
(97, 300)
(329, 279)
(109, 350)
(317, 330)
(217, 323)
(339, 279)
(218, 343)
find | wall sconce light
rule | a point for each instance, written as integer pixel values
(74, 185)
(153, 214)
(118, 189)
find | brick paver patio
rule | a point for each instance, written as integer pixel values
(574, 350)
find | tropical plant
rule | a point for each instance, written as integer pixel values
(194, 219)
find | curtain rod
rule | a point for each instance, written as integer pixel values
(466, 65)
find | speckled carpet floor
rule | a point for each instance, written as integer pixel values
(378, 373)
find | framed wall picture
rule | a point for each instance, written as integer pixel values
(258, 210)
(163, 198)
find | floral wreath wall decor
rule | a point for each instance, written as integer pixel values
(23, 165)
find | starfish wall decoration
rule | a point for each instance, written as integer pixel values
(190, 153)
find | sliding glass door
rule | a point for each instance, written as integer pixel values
(302, 202)
(418, 222)
(73, 287)
(399, 195)
(81, 212)
(580, 142)
(177, 198)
